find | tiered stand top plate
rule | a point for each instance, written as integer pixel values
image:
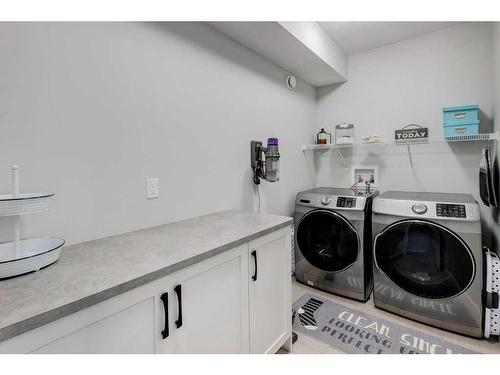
(23, 203)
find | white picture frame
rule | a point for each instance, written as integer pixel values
(361, 173)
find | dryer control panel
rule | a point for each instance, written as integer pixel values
(346, 202)
(450, 210)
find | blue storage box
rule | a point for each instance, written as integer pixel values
(463, 115)
(462, 120)
(455, 130)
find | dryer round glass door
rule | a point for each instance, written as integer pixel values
(327, 240)
(424, 258)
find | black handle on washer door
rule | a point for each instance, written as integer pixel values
(178, 291)
(164, 299)
(254, 254)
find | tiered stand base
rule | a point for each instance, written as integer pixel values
(28, 255)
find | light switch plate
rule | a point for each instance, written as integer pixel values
(152, 188)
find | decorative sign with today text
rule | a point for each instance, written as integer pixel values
(412, 133)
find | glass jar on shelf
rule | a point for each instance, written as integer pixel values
(344, 133)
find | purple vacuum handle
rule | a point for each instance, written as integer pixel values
(272, 142)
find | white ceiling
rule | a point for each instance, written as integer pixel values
(301, 48)
(354, 37)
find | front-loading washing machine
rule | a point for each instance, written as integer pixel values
(428, 259)
(333, 240)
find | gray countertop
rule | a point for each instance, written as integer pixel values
(91, 272)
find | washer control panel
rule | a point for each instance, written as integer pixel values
(346, 202)
(451, 210)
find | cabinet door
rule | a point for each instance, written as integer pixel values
(122, 324)
(213, 298)
(270, 291)
(163, 337)
(127, 331)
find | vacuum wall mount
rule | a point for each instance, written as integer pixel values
(266, 168)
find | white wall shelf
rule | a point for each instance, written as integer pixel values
(461, 138)
(485, 137)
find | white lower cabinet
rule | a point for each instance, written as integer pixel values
(238, 301)
(127, 331)
(122, 324)
(208, 306)
(270, 292)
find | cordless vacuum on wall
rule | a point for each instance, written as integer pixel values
(267, 168)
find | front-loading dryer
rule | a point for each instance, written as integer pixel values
(428, 259)
(333, 241)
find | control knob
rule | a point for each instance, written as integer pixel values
(325, 201)
(419, 208)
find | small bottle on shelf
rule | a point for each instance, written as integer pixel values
(322, 137)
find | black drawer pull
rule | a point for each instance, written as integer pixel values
(164, 299)
(254, 254)
(178, 291)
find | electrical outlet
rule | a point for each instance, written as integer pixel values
(152, 188)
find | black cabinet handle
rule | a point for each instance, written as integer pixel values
(178, 291)
(164, 299)
(254, 254)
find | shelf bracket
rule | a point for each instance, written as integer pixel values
(409, 155)
(341, 156)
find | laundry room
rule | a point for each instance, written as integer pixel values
(222, 184)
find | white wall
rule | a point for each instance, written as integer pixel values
(90, 110)
(410, 82)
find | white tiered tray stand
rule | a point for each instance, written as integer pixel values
(22, 256)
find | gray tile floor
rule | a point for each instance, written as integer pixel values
(308, 345)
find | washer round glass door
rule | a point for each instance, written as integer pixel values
(327, 240)
(424, 258)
